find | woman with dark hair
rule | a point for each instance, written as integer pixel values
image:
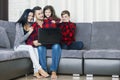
(23, 31)
(49, 13)
(26, 17)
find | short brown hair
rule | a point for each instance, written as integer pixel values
(65, 12)
(36, 8)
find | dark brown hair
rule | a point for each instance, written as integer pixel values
(36, 8)
(65, 12)
(23, 19)
(53, 14)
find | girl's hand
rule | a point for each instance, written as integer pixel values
(53, 21)
(45, 18)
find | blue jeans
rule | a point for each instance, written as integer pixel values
(78, 45)
(56, 55)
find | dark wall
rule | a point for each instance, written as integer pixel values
(3, 9)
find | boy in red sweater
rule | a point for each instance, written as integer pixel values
(68, 32)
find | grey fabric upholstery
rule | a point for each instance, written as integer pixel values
(13, 64)
(4, 49)
(10, 55)
(68, 53)
(10, 29)
(101, 45)
(103, 58)
(83, 33)
(4, 41)
(14, 68)
(102, 66)
(102, 54)
(69, 65)
(105, 35)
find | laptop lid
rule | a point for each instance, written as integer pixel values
(49, 35)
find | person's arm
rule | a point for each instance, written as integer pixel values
(20, 37)
(70, 32)
(32, 39)
(20, 33)
(49, 24)
(72, 29)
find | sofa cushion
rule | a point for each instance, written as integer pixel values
(102, 54)
(105, 35)
(10, 29)
(68, 53)
(4, 41)
(83, 33)
(10, 54)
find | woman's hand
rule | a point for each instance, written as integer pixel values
(30, 30)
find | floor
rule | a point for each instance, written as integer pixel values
(71, 77)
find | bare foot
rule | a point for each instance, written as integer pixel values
(37, 75)
(43, 73)
(54, 76)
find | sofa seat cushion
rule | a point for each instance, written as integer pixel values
(10, 54)
(102, 54)
(68, 53)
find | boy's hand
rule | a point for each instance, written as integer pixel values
(61, 21)
(67, 20)
(64, 20)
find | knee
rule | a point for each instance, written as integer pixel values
(41, 47)
(56, 46)
(30, 47)
(81, 44)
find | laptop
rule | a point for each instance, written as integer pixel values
(49, 35)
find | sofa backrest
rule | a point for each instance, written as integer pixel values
(98, 35)
(10, 29)
(83, 33)
(105, 35)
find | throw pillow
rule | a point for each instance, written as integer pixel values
(4, 41)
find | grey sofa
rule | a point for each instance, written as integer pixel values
(103, 58)
(100, 56)
(12, 63)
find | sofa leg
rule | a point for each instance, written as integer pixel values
(76, 76)
(26, 75)
(89, 76)
(115, 77)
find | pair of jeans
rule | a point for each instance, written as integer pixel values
(33, 55)
(77, 45)
(56, 55)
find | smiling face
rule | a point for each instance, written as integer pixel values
(65, 18)
(48, 13)
(39, 14)
(30, 17)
